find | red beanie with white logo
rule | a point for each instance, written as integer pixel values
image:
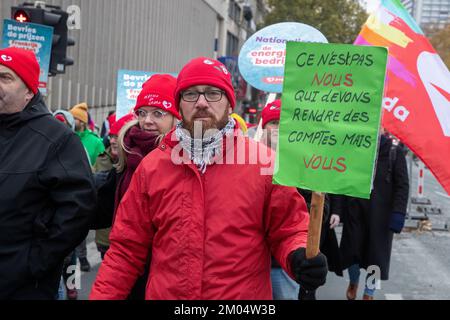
(158, 92)
(271, 111)
(24, 64)
(207, 72)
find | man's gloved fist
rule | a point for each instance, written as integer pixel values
(397, 222)
(309, 273)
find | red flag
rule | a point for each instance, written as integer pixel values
(416, 107)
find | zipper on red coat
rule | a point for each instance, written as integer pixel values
(203, 185)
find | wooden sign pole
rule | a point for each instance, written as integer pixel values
(314, 232)
(315, 224)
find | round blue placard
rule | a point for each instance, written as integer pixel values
(262, 57)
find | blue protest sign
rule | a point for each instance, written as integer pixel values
(33, 37)
(129, 85)
(262, 57)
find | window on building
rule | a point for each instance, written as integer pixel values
(232, 44)
(234, 11)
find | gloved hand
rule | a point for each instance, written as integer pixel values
(309, 273)
(334, 221)
(397, 221)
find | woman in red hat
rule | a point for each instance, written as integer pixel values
(155, 114)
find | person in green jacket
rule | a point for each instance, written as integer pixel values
(93, 144)
(94, 147)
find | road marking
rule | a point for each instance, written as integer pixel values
(393, 296)
(442, 194)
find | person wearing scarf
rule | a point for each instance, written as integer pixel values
(210, 226)
(155, 115)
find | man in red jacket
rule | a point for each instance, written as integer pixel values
(202, 206)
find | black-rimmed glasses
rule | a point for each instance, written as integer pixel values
(210, 95)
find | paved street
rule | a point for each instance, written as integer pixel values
(87, 278)
(434, 192)
(419, 271)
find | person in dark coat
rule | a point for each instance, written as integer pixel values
(329, 244)
(369, 225)
(46, 187)
(105, 180)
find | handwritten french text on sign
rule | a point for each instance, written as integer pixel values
(330, 116)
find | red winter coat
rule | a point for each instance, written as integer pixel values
(211, 235)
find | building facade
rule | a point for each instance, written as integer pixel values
(237, 20)
(429, 12)
(153, 36)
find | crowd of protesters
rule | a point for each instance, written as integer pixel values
(177, 213)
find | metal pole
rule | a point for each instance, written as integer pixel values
(421, 180)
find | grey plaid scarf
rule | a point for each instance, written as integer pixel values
(202, 151)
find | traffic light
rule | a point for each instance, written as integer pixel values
(21, 16)
(61, 40)
(54, 17)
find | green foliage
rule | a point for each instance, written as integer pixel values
(440, 39)
(339, 20)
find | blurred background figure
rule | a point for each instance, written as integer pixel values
(369, 224)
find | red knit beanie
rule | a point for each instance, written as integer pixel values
(271, 112)
(118, 125)
(112, 119)
(158, 92)
(24, 64)
(207, 72)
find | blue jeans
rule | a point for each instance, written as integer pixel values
(354, 273)
(283, 287)
(70, 260)
(61, 290)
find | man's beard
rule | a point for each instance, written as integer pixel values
(212, 124)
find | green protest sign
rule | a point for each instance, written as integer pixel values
(330, 117)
